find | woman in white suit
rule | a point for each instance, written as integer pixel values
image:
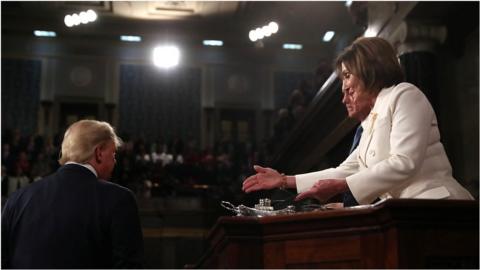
(399, 154)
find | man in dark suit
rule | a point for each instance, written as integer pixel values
(74, 218)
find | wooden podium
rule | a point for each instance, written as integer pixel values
(399, 233)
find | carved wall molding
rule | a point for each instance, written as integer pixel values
(415, 36)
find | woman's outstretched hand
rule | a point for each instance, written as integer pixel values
(265, 178)
(324, 190)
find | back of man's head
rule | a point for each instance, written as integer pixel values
(82, 137)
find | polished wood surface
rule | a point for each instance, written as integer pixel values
(400, 233)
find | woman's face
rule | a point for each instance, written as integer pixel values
(357, 100)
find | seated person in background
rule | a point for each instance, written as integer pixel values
(74, 218)
(399, 154)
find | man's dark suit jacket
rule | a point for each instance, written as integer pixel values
(71, 219)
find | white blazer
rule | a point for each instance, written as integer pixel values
(399, 155)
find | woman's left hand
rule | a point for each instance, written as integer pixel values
(324, 189)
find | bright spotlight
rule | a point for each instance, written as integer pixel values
(273, 27)
(266, 31)
(68, 20)
(259, 32)
(370, 33)
(76, 19)
(83, 17)
(252, 35)
(91, 15)
(166, 56)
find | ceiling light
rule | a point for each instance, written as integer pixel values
(259, 32)
(166, 56)
(291, 46)
(266, 31)
(252, 35)
(131, 38)
(348, 3)
(76, 19)
(328, 36)
(273, 27)
(370, 32)
(213, 43)
(83, 17)
(41, 33)
(68, 21)
(91, 15)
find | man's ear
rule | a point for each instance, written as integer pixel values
(98, 154)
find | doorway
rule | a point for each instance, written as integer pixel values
(71, 112)
(236, 125)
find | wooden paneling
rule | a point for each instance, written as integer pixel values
(400, 233)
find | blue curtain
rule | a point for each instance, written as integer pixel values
(156, 103)
(284, 83)
(20, 94)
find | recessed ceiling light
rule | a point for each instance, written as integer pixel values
(131, 38)
(41, 33)
(328, 36)
(292, 46)
(209, 42)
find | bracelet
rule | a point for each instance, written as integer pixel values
(284, 182)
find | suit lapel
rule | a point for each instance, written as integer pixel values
(366, 139)
(369, 125)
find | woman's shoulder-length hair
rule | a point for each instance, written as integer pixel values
(374, 61)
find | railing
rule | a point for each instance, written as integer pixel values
(321, 138)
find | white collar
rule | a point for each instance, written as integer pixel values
(86, 165)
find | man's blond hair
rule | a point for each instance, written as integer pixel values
(82, 137)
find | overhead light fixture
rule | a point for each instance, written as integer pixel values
(83, 17)
(264, 31)
(252, 35)
(166, 56)
(209, 42)
(370, 32)
(348, 3)
(328, 36)
(131, 38)
(273, 27)
(260, 33)
(41, 33)
(292, 46)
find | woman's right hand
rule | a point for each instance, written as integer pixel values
(265, 178)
